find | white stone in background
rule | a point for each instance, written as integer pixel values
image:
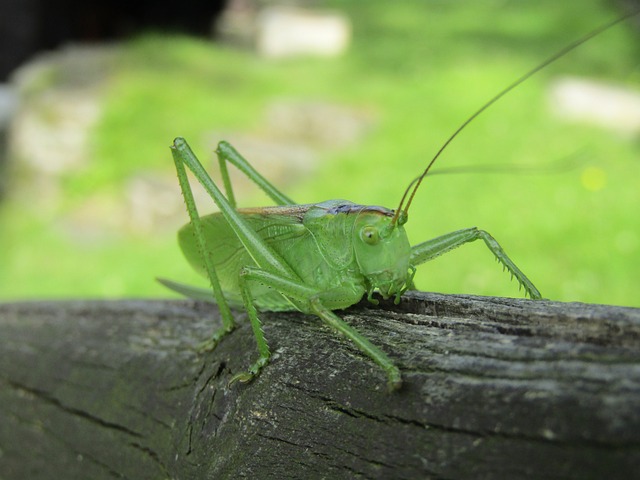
(51, 135)
(602, 104)
(60, 101)
(286, 32)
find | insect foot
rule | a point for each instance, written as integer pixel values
(250, 374)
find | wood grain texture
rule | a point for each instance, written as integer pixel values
(493, 388)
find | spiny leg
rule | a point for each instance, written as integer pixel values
(228, 322)
(261, 253)
(264, 354)
(226, 153)
(311, 300)
(435, 247)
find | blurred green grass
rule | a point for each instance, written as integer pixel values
(423, 68)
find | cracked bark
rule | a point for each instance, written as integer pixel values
(493, 388)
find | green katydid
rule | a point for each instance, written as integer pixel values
(315, 258)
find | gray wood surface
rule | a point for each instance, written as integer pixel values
(494, 388)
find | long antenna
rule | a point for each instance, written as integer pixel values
(418, 180)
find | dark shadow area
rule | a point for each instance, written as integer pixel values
(29, 26)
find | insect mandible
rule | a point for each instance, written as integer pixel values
(314, 258)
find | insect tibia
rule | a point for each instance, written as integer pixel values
(508, 264)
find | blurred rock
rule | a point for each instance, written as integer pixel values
(279, 31)
(286, 32)
(612, 107)
(60, 96)
(51, 136)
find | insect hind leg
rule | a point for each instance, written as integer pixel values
(435, 247)
(226, 153)
(228, 322)
(261, 253)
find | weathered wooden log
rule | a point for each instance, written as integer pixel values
(493, 388)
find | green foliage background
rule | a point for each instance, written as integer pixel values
(423, 67)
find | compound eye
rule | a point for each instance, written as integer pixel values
(370, 235)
